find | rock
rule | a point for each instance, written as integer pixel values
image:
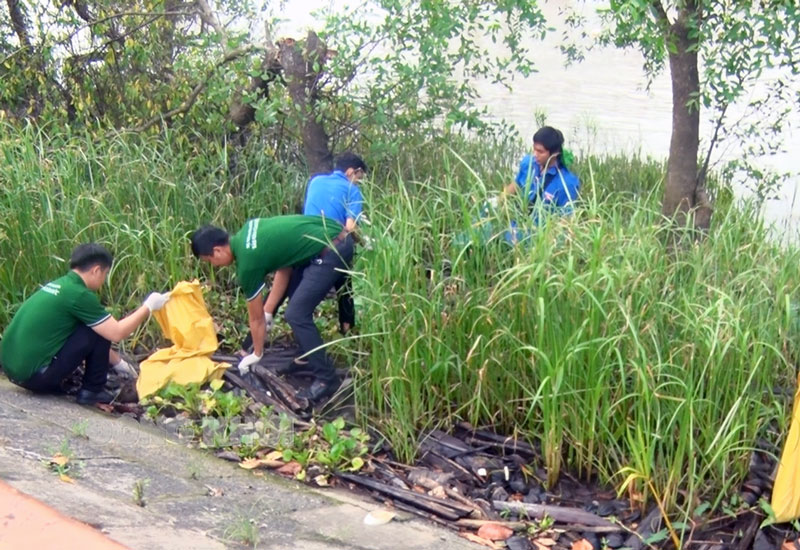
(614, 540)
(535, 496)
(500, 494)
(518, 485)
(519, 543)
(605, 509)
(763, 542)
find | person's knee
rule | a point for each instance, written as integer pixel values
(295, 315)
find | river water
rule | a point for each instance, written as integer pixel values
(602, 104)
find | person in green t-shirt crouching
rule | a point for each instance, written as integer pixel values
(63, 325)
(309, 255)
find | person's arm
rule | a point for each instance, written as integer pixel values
(114, 330)
(258, 328)
(511, 188)
(280, 282)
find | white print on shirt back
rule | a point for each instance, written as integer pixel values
(252, 234)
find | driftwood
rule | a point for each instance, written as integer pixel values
(282, 388)
(484, 437)
(431, 484)
(262, 396)
(435, 460)
(279, 393)
(560, 514)
(442, 508)
(749, 533)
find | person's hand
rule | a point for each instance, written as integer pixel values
(247, 361)
(156, 301)
(125, 370)
(269, 321)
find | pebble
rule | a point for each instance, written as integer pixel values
(500, 494)
(518, 543)
(614, 540)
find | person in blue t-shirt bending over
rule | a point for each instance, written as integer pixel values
(337, 196)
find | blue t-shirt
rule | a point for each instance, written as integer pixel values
(333, 196)
(559, 187)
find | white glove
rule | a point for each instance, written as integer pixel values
(123, 369)
(366, 242)
(269, 321)
(156, 301)
(247, 361)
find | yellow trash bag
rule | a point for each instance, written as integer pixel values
(786, 491)
(186, 322)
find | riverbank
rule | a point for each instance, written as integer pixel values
(650, 368)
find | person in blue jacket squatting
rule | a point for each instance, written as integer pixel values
(337, 196)
(544, 177)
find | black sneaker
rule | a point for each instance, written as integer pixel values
(292, 367)
(86, 397)
(319, 390)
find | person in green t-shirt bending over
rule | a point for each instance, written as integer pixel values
(308, 255)
(63, 325)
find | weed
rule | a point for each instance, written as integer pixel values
(139, 487)
(243, 529)
(79, 428)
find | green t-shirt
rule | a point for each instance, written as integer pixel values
(45, 321)
(264, 245)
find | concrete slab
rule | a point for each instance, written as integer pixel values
(192, 499)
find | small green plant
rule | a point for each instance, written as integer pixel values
(243, 529)
(195, 470)
(79, 428)
(345, 450)
(538, 526)
(249, 445)
(139, 488)
(63, 462)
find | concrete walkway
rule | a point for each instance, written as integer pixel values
(193, 500)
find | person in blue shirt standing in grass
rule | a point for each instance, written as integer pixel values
(337, 196)
(544, 175)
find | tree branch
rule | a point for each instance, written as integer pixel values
(19, 22)
(197, 89)
(660, 12)
(208, 17)
(95, 22)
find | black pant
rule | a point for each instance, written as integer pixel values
(307, 288)
(83, 345)
(345, 303)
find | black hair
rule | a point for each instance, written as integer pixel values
(206, 238)
(350, 160)
(86, 256)
(549, 138)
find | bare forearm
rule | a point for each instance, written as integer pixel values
(257, 331)
(279, 285)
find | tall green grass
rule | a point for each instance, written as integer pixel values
(625, 356)
(141, 196)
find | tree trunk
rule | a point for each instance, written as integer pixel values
(302, 70)
(682, 193)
